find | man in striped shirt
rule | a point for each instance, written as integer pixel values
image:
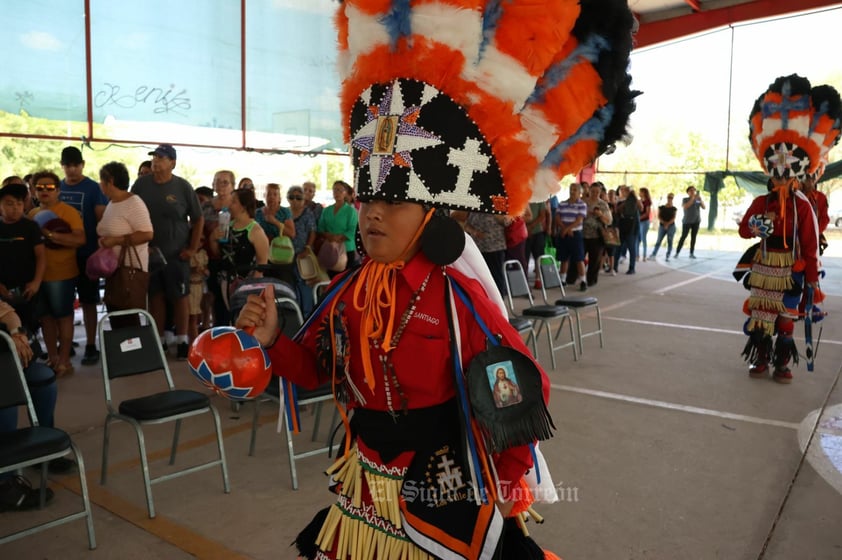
(567, 234)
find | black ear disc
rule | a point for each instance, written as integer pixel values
(443, 240)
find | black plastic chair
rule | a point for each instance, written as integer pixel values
(550, 278)
(35, 445)
(136, 350)
(518, 287)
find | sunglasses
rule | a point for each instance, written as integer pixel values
(295, 198)
(46, 187)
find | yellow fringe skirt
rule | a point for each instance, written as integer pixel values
(365, 522)
(771, 276)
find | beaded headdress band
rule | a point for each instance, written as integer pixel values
(481, 105)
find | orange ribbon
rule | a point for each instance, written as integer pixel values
(783, 191)
(374, 293)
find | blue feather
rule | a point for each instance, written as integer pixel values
(823, 111)
(557, 73)
(490, 18)
(397, 22)
(593, 129)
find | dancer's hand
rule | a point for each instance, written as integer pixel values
(261, 314)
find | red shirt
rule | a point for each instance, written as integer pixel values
(808, 238)
(421, 359)
(819, 202)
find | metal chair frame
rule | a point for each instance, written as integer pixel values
(19, 398)
(550, 278)
(318, 291)
(524, 325)
(137, 425)
(318, 400)
(542, 315)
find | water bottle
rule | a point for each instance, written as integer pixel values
(224, 224)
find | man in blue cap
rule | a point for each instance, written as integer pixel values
(177, 222)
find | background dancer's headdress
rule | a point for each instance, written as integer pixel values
(793, 126)
(481, 105)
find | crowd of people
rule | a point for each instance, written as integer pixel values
(158, 224)
(592, 229)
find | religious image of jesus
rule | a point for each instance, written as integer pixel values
(506, 391)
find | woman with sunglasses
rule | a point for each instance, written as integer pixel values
(302, 241)
(63, 234)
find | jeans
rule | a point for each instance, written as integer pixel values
(693, 230)
(593, 248)
(669, 232)
(628, 244)
(644, 229)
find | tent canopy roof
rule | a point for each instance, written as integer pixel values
(666, 20)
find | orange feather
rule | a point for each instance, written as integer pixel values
(522, 31)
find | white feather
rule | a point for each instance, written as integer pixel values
(545, 184)
(458, 28)
(343, 64)
(365, 33)
(771, 126)
(502, 76)
(819, 139)
(541, 133)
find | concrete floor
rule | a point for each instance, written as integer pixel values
(665, 448)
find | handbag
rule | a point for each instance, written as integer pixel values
(308, 265)
(127, 287)
(610, 236)
(281, 250)
(549, 248)
(332, 256)
(516, 232)
(101, 264)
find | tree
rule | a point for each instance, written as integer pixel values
(328, 170)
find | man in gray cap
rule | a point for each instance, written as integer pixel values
(177, 223)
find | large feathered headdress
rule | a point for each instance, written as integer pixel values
(793, 126)
(481, 105)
